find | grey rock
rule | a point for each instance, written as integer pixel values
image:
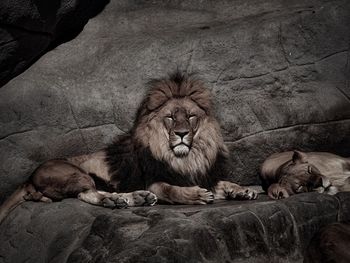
(226, 231)
(279, 72)
(30, 28)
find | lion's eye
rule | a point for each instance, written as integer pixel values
(309, 169)
(191, 117)
(169, 118)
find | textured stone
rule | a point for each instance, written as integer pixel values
(29, 28)
(226, 231)
(278, 71)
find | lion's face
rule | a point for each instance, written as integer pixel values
(176, 124)
(300, 178)
(181, 119)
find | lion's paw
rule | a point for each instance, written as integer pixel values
(243, 194)
(115, 201)
(205, 196)
(141, 198)
(199, 196)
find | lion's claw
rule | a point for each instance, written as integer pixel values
(243, 194)
(143, 198)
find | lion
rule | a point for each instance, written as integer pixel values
(288, 173)
(174, 153)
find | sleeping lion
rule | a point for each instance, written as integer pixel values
(175, 152)
(288, 173)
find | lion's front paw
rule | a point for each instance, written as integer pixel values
(243, 194)
(115, 201)
(141, 198)
(198, 196)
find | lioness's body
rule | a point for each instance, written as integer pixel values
(175, 151)
(332, 168)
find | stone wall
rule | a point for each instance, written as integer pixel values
(278, 70)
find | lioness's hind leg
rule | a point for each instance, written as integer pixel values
(99, 198)
(228, 190)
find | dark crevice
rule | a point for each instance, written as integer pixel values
(15, 133)
(343, 93)
(26, 30)
(8, 42)
(63, 30)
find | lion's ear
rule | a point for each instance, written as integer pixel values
(299, 157)
(202, 98)
(155, 100)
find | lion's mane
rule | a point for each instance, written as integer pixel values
(143, 157)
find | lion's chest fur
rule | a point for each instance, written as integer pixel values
(137, 169)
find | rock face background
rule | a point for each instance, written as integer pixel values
(279, 72)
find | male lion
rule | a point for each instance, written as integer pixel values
(287, 173)
(175, 151)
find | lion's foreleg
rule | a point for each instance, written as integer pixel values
(228, 190)
(181, 195)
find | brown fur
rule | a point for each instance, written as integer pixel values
(206, 141)
(287, 173)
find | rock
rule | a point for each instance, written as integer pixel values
(29, 28)
(279, 75)
(226, 231)
(330, 244)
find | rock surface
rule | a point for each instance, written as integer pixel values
(279, 73)
(227, 231)
(28, 28)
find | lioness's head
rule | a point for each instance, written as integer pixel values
(298, 176)
(176, 122)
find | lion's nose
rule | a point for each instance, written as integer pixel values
(181, 133)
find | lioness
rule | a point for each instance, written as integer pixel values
(287, 173)
(175, 151)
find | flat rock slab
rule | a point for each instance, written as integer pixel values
(226, 231)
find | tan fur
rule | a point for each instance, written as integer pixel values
(332, 172)
(229, 190)
(207, 141)
(93, 163)
(193, 195)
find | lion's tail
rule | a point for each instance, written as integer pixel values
(13, 201)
